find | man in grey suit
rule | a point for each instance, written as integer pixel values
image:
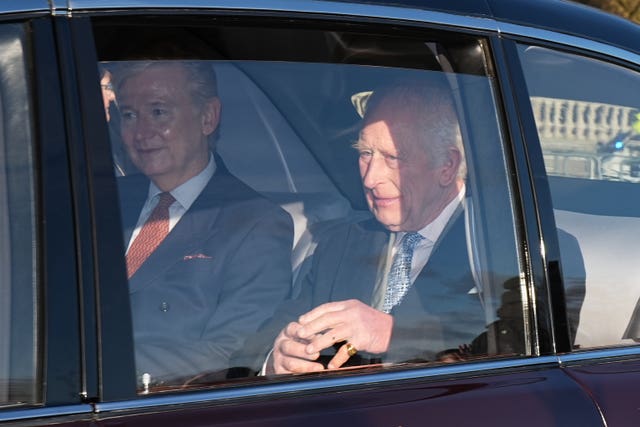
(399, 287)
(207, 257)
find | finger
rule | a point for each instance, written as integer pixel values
(340, 358)
(292, 365)
(290, 356)
(291, 330)
(320, 311)
(293, 348)
(319, 342)
(324, 324)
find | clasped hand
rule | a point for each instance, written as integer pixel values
(299, 344)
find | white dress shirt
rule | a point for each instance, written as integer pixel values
(185, 194)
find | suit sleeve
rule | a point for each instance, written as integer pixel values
(314, 289)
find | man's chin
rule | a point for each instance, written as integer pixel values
(152, 169)
(388, 223)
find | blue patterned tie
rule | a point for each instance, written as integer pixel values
(399, 280)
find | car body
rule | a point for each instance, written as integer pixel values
(550, 92)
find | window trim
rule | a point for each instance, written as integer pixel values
(58, 272)
(537, 263)
(251, 390)
(323, 385)
(584, 47)
(108, 342)
(83, 410)
(317, 9)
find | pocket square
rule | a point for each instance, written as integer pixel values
(196, 256)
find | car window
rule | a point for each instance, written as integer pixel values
(588, 119)
(19, 342)
(293, 182)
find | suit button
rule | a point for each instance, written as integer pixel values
(164, 307)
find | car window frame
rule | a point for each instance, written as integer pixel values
(108, 343)
(548, 231)
(59, 355)
(355, 380)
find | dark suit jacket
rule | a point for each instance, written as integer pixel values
(438, 312)
(216, 277)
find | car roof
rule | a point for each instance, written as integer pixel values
(571, 18)
(555, 15)
(562, 16)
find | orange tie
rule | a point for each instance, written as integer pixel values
(152, 234)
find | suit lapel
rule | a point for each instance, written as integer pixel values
(367, 243)
(448, 261)
(195, 226)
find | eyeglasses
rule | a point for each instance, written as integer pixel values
(107, 86)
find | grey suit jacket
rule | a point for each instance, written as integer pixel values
(215, 278)
(438, 313)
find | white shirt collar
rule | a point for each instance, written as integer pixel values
(188, 192)
(432, 231)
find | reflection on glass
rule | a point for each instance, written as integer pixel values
(288, 240)
(587, 120)
(19, 368)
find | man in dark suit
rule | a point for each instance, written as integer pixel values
(207, 257)
(398, 288)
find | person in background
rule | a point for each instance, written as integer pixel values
(122, 165)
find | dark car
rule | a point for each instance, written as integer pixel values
(547, 93)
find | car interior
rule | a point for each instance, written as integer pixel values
(290, 117)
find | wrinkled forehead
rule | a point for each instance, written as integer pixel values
(165, 81)
(399, 125)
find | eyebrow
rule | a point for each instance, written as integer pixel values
(358, 144)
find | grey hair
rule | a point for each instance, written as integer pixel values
(201, 78)
(203, 85)
(431, 101)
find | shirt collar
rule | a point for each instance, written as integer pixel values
(432, 231)
(187, 192)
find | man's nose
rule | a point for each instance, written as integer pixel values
(142, 129)
(373, 172)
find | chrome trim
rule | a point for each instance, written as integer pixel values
(484, 23)
(301, 6)
(17, 6)
(211, 396)
(598, 354)
(569, 40)
(53, 411)
(60, 7)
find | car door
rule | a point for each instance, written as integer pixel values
(291, 131)
(41, 349)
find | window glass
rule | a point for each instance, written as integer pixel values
(588, 117)
(18, 320)
(301, 164)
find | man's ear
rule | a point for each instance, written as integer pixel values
(450, 167)
(211, 116)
